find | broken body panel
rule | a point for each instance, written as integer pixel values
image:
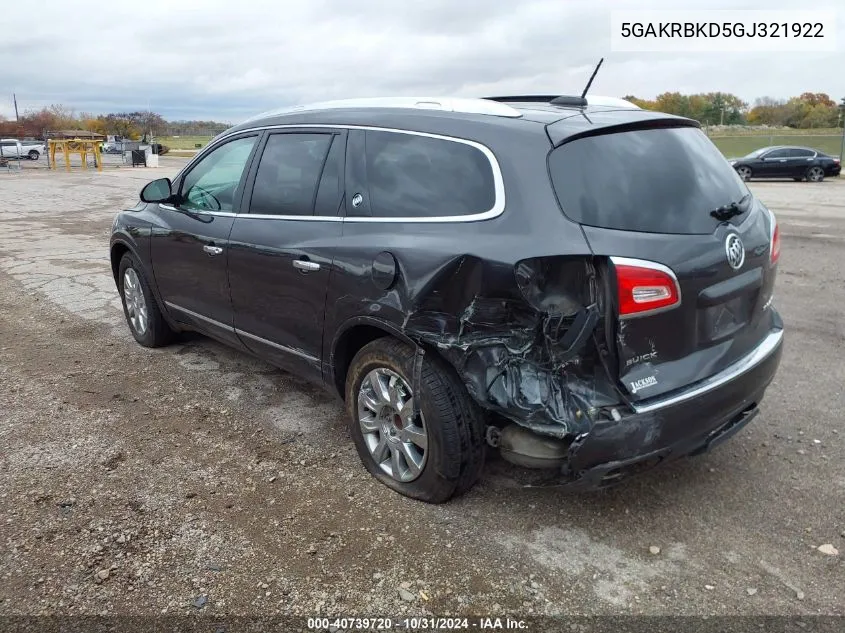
(523, 306)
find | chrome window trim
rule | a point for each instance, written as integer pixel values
(238, 332)
(498, 180)
(744, 364)
(644, 263)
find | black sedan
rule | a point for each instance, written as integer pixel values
(782, 161)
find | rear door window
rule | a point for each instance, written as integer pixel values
(413, 176)
(801, 153)
(657, 181)
(288, 174)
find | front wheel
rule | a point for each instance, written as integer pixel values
(139, 305)
(34, 155)
(815, 174)
(431, 456)
(744, 172)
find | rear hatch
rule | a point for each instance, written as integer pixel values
(688, 250)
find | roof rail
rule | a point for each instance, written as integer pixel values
(446, 104)
(567, 100)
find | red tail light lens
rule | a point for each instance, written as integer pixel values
(644, 287)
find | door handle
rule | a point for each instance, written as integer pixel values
(212, 250)
(305, 266)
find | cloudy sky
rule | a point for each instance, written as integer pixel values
(228, 59)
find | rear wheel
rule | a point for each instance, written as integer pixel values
(33, 154)
(431, 456)
(139, 305)
(815, 174)
(744, 172)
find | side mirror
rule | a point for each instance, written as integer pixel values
(157, 191)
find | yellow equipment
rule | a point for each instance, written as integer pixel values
(68, 146)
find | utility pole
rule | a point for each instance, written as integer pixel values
(842, 147)
(15, 99)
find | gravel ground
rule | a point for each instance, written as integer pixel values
(194, 479)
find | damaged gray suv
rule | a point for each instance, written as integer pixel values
(585, 286)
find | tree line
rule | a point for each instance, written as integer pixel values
(809, 110)
(133, 125)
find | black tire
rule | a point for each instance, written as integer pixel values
(455, 424)
(815, 174)
(157, 332)
(33, 154)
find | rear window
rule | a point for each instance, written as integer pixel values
(412, 176)
(657, 181)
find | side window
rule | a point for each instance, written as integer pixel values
(801, 153)
(212, 183)
(288, 174)
(778, 153)
(329, 192)
(419, 176)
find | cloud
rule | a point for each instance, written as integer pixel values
(227, 60)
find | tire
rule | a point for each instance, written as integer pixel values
(134, 289)
(34, 155)
(744, 172)
(815, 174)
(451, 422)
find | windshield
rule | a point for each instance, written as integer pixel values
(756, 152)
(666, 180)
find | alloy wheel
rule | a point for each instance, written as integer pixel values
(396, 439)
(136, 304)
(744, 173)
(815, 174)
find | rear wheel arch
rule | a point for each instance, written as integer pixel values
(350, 338)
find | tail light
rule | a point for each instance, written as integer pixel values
(774, 246)
(644, 287)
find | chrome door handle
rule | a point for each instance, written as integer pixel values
(305, 266)
(212, 250)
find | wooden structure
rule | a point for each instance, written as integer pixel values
(76, 146)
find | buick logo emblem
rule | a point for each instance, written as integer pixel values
(735, 251)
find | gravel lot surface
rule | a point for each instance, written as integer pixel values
(197, 480)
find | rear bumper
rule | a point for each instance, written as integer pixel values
(685, 423)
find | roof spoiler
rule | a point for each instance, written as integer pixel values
(567, 100)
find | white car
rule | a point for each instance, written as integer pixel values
(13, 148)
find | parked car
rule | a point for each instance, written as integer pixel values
(30, 149)
(470, 272)
(11, 149)
(798, 163)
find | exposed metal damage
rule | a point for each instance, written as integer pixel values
(532, 356)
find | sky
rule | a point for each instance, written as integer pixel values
(227, 60)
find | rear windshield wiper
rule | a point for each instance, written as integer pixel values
(727, 211)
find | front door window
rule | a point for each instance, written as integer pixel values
(211, 185)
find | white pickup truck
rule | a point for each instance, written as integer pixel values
(13, 148)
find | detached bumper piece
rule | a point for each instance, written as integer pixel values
(687, 423)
